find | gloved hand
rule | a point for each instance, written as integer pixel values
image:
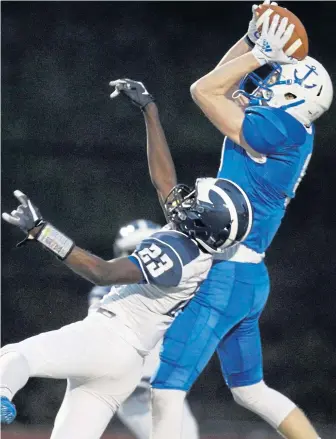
(134, 90)
(269, 47)
(252, 32)
(26, 216)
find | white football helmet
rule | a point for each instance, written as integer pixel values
(304, 89)
(131, 235)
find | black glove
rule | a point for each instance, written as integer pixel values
(134, 90)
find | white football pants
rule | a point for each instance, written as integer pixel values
(135, 414)
(102, 371)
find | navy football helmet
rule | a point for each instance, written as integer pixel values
(130, 235)
(217, 213)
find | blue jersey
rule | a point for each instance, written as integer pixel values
(270, 181)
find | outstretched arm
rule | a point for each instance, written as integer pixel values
(120, 271)
(160, 162)
(96, 270)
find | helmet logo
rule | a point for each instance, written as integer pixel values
(266, 47)
(204, 186)
(257, 34)
(300, 81)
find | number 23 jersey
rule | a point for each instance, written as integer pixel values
(173, 267)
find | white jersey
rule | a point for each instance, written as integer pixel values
(173, 267)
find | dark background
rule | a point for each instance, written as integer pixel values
(81, 158)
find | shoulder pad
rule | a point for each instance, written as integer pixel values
(163, 256)
(269, 130)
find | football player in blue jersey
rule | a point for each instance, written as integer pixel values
(135, 412)
(102, 356)
(268, 124)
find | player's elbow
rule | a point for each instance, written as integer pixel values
(201, 93)
(197, 90)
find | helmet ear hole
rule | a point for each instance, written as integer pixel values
(290, 96)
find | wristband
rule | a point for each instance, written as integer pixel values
(249, 42)
(55, 241)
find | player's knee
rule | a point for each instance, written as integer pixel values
(248, 396)
(264, 401)
(12, 353)
(10, 348)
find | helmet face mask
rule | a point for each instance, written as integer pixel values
(256, 86)
(304, 89)
(207, 213)
(180, 199)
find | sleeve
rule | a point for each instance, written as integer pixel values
(159, 262)
(270, 130)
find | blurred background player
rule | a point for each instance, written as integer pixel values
(135, 411)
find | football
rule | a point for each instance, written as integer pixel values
(297, 46)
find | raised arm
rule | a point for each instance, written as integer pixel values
(96, 270)
(210, 92)
(160, 162)
(247, 42)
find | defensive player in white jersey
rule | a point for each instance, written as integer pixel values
(102, 356)
(135, 412)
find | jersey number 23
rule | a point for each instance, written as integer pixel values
(155, 260)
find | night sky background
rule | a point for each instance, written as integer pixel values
(81, 158)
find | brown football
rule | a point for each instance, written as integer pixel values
(297, 46)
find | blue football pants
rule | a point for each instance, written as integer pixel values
(223, 316)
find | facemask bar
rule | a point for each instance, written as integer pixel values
(179, 199)
(262, 92)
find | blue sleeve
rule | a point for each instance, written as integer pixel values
(270, 130)
(159, 262)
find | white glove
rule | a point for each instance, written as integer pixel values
(274, 36)
(26, 216)
(252, 31)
